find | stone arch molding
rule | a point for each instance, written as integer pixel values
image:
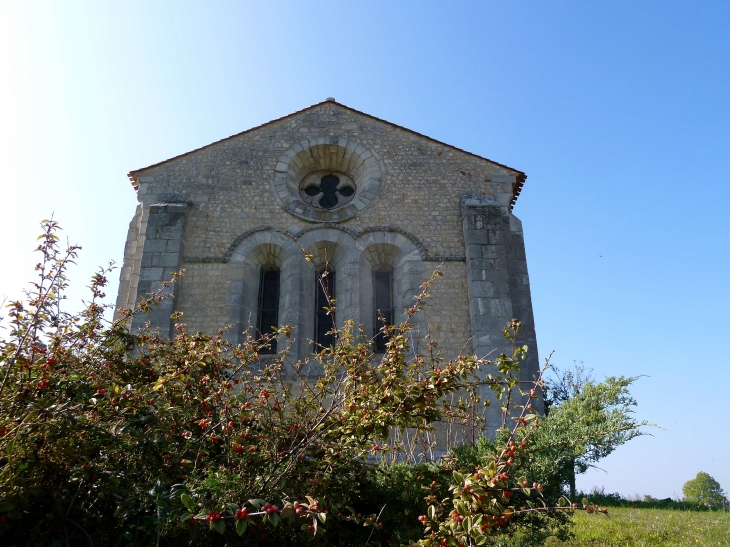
(262, 248)
(352, 255)
(398, 253)
(331, 154)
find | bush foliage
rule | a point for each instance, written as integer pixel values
(112, 437)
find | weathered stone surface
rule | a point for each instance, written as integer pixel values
(227, 210)
(165, 225)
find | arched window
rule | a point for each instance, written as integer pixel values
(268, 309)
(382, 306)
(324, 322)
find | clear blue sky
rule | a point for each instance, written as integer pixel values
(619, 112)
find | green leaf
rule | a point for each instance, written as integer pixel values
(585, 501)
(241, 526)
(188, 502)
(322, 517)
(274, 519)
(288, 512)
(6, 506)
(220, 527)
(257, 503)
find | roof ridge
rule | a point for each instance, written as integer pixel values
(516, 189)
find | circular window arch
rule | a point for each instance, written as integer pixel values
(327, 180)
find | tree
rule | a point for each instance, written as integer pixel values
(586, 421)
(564, 384)
(561, 387)
(704, 490)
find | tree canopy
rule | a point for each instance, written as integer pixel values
(704, 490)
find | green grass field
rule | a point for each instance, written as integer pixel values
(649, 527)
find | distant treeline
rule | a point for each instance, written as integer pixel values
(602, 498)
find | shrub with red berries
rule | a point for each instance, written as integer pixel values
(119, 437)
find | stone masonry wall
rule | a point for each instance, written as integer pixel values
(451, 206)
(230, 183)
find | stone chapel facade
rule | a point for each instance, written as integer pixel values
(381, 205)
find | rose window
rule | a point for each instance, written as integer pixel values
(327, 179)
(327, 190)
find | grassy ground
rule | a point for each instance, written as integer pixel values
(627, 527)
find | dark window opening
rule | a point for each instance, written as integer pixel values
(268, 317)
(324, 322)
(330, 190)
(383, 304)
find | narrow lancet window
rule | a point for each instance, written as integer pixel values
(383, 300)
(324, 322)
(268, 316)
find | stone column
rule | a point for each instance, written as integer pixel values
(486, 236)
(291, 296)
(162, 256)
